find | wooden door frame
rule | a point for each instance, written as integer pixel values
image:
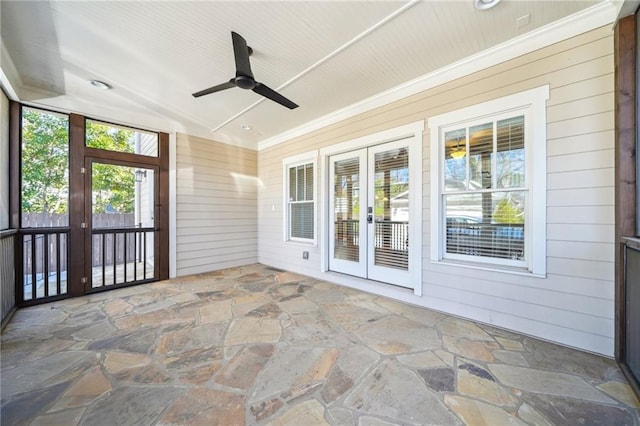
(626, 98)
(77, 193)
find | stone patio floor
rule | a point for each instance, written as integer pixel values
(254, 345)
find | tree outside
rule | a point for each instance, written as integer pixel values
(45, 165)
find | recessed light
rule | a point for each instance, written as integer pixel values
(99, 84)
(246, 127)
(485, 4)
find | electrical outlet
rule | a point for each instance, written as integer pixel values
(305, 255)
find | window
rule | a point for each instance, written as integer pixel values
(300, 201)
(121, 139)
(489, 182)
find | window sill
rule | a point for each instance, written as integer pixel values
(302, 243)
(490, 268)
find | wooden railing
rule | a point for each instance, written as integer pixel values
(44, 253)
(122, 256)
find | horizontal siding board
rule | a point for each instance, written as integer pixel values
(581, 250)
(580, 197)
(581, 143)
(600, 215)
(581, 232)
(581, 179)
(593, 86)
(601, 159)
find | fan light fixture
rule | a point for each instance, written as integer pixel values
(458, 153)
(485, 4)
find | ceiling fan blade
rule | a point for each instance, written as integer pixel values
(228, 85)
(241, 53)
(269, 93)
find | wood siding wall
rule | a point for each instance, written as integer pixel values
(216, 193)
(574, 304)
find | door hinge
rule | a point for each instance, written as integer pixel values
(83, 280)
(83, 170)
(83, 225)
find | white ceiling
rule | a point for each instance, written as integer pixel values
(323, 55)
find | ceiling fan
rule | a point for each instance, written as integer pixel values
(244, 77)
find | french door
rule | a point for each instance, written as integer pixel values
(370, 218)
(121, 231)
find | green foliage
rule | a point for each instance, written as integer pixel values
(45, 165)
(45, 162)
(113, 186)
(506, 212)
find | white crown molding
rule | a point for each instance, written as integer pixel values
(586, 20)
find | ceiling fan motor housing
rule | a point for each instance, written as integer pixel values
(244, 82)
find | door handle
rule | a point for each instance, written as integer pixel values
(370, 215)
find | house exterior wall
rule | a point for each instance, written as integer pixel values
(4, 161)
(216, 213)
(574, 303)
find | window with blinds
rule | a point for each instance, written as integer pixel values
(301, 204)
(484, 193)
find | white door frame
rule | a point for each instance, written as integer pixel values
(413, 132)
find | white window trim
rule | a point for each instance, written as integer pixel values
(287, 163)
(533, 103)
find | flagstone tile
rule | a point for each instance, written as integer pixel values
(414, 313)
(63, 418)
(547, 382)
(136, 405)
(340, 416)
(92, 385)
(422, 360)
(509, 344)
(202, 406)
(297, 305)
(99, 330)
(215, 311)
(511, 358)
(394, 392)
(463, 329)
(580, 412)
(314, 329)
(470, 349)
(306, 413)
(351, 365)
(242, 370)
(116, 361)
(396, 335)
(476, 413)
(253, 330)
(373, 421)
(189, 338)
(478, 383)
(117, 308)
(528, 414)
(139, 340)
(244, 304)
(265, 409)
(20, 409)
(290, 367)
(620, 391)
(33, 375)
(439, 379)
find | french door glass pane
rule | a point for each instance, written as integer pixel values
(347, 209)
(122, 241)
(391, 209)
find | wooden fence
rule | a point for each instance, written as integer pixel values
(113, 251)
